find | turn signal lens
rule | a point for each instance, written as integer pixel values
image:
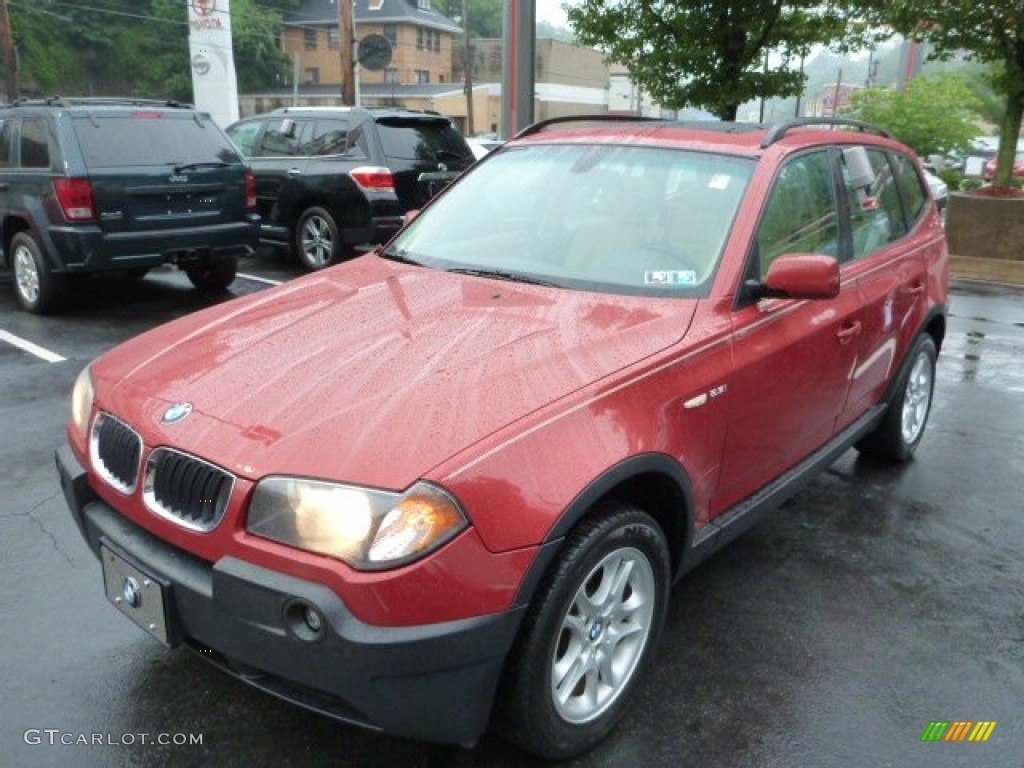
(82, 398)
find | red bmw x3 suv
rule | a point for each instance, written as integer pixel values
(460, 473)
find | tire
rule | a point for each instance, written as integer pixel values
(215, 276)
(38, 290)
(317, 241)
(569, 638)
(902, 428)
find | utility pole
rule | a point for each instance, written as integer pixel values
(10, 55)
(346, 29)
(467, 68)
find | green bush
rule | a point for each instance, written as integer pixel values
(968, 184)
(953, 178)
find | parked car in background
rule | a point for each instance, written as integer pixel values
(1018, 166)
(332, 178)
(93, 185)
(451, 482)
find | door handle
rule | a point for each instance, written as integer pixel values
(294, 172)
(916, 289)
(4, 186)
(848, 332)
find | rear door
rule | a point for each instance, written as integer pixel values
(160, 169)
(424, 153)
(886, 198)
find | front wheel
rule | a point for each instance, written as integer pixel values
(215, 276)
(902, 428)
(588, 636)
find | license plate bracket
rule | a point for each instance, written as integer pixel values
(136, 593)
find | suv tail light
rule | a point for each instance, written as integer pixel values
(373, 177)
(250, 190)
(75, 198)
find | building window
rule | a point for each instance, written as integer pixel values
(334, 38)
(391, 33)
(421, 35)
(391, 76)
(423, 5)
(312, 74)
(437, 41)
(310, 38)
(422, 77)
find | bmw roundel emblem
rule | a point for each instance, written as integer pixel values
(176, 413)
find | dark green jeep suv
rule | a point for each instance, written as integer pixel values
(119, 185)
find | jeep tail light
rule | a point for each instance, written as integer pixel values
(250, 190)
(75, 198)
(373, 177)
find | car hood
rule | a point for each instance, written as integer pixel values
(373, 372)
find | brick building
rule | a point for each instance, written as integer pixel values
(420, 36)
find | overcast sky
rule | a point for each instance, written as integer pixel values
(551, 11)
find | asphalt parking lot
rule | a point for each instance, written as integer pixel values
(878, 600)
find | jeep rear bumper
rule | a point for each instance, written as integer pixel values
(434, 682)
(90, 249)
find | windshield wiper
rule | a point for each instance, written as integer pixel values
(499, 274)
(197, 166)
(399, 254)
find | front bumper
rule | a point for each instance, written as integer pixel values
(434, 682)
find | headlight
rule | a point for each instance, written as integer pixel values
(82, 397)
(366, 528)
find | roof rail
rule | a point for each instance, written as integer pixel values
(541, 125)
(780, 130)
(98, 101)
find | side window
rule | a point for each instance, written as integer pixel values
(876, 214)
(244, 136)
(6, 131)
(281, 138)
(331, 137)
(800, 215)
(913, 187)
(35, 146)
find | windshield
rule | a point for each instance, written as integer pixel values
(617, 219)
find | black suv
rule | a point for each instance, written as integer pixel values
(331, 178)
(104, 185)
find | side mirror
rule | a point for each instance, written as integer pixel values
(802, 276)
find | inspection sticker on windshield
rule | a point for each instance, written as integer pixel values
(719, 181)
(670, 277)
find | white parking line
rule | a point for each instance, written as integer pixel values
(32, 349)
(266, 280)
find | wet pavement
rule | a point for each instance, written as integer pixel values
(876, 601)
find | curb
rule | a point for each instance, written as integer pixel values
(987, 270)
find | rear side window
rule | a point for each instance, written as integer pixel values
(281, 139)
(426, 140)
(151, 138)
(913, 187)
(333, 137)
(244, 135)
(35, 146)
(876, 214)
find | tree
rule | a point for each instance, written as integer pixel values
(990, 31)
(711, 55)
(935, 114)
(485, 16)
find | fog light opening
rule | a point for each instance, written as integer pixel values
(305, 621)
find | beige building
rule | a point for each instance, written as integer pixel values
(421, 41)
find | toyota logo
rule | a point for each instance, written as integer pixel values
(204, 7)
